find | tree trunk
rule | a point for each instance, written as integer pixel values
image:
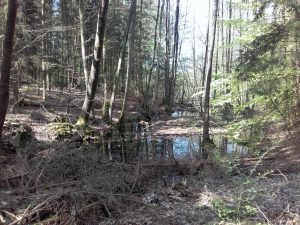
(228, 48)
(7, 58)
(95, 68)
(167, 97)
(139, 73)
(82, 41)
(105, 106)
(130, 61)
(120, 60)
(206, 51)
(209, 75)
(155, 94)
(297, 63)
(175, 55)
(205, 62)
(194, 56)
(154, 49)
(44, 72)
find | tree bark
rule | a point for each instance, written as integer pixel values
(228, 48)
(205, 63)
(82, 41)
(167, 97)
(154, 49)
(95, 68)
(7, 58)
(121, 56)
(139, 72)
(130, 61)
(209, 75)
(175, 55)
(44, 72)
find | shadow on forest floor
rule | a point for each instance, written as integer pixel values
(68, 182)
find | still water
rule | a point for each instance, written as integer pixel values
(140, 145)
(185, 114)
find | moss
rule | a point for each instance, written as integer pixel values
(61, 119)
(23, 135)
(81, 122)
(207, 147)
(105, 114)
(62, 130)
(67, 130)
(91, 135)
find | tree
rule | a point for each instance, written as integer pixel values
(209, 75)
(130, 61)
(175, 55)
(82, 42)
(120, 60)
(7, 58)
(159, 52)
(154, 49)
(97, 58)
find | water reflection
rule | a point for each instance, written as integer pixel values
(185, 113)
(142, 146)
(227, 147)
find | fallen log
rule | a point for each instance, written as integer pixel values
(24, 102)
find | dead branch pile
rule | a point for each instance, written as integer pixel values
(75, 184)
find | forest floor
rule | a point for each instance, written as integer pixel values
(62, 181)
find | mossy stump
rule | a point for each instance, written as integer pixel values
(24, 135)
(62, 130)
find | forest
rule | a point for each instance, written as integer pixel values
(135, 112)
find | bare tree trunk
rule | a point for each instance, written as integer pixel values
(95, 68)
(209, 75)
(206, 50)
(117, 74)
(139, 73)
(7, 58)
(297, 65)
(105, 106)
(130, 61)
(194, 56)
(175, 55)
(16, 82)
(228, 48)
(205, 62)
(167, 97)
(44, 72)
(154, 49)
(82, 41)
(155, 94)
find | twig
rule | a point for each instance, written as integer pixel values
(10, 214)
(108, 212)
(25, 212)
(158, 122)
(282, 174)
(135, 180)
(264, 215)
(44, 108)
(88, 206)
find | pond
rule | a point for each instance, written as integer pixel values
(141, 145)
(185, 113)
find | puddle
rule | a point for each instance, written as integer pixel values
(184, 113)
(140, 145)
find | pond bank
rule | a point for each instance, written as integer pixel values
(153, 176)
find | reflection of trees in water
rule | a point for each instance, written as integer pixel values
(223, 146)
(138, 144)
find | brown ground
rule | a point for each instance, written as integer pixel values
(282, 156)
(66, 183)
